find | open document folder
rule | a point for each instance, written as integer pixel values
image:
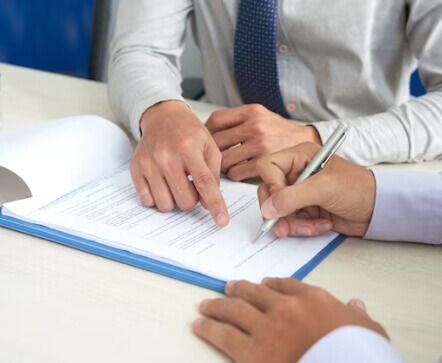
(77, 171)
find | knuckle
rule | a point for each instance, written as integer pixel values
(283, 308)
(275, 284)
(258, 127)
(161, 155)
(319, 293)
(264, 146)
(165, 207)
(205, 181)
(187, 204)
(255, 108)
(146, 164)
(214, 119)
(147, 202)
(233, 174)
(186, 146)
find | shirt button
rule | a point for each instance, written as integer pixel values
(291, 107)
(283, 48)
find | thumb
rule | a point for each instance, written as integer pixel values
(290, 199)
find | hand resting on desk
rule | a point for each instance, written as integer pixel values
(278, 320)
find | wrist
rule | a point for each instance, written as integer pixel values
(160, 111)
(313, 135)
(305, 134)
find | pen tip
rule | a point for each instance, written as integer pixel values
(258, 236)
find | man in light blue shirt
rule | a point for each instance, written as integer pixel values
(284, 320)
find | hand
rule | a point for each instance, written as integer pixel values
(258, 131)
(175, 144)
(276, 321)
(340, 197)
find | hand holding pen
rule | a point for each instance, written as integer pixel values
(307, 205)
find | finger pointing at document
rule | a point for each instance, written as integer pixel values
(174, 145)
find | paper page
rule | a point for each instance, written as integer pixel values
(59, 156)
(108, 211)
(12, 187)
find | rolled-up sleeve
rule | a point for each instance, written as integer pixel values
(145, 55)
(411, 131)
(408, 207)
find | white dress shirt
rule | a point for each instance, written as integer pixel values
(339, 61)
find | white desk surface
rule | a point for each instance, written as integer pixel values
(59, 304)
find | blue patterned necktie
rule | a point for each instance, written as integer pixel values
(256, 56)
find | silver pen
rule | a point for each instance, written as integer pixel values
(318, 162)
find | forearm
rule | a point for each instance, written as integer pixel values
(410, 132)
(144, 61)
(137, 83)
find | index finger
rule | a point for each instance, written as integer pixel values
(282, 168)
(207, 186)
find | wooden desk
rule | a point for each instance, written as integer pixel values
(58, 304)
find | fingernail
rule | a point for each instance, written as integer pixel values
(304, 231)
(268, 209)
(324, 227)
(221, 220)
(229, 286)
(360, 304)
(197, 324)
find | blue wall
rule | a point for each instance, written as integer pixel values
(51, 35)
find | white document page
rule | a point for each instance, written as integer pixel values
(108, 211)
(56, 157)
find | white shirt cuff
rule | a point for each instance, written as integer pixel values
(408, 207)
(351, 344)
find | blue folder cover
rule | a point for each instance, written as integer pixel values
(145, 262)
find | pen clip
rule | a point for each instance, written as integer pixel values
(333, 151)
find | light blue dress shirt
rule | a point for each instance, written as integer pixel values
(409, 201)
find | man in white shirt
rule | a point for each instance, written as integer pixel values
(311, 61)
(284, 320)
